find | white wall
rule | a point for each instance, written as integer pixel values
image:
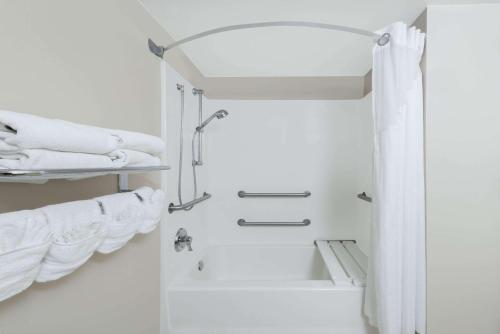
(288, 146)
(463, 168)
(364, 176)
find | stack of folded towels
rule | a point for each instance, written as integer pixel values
(32, 142)
(46, 244)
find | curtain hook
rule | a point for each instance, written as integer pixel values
(384, 39)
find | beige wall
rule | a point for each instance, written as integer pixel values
(84, 61)
(463, 168)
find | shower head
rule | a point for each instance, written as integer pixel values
(218, 114)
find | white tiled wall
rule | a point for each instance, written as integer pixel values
(270, 146)
(289, 146)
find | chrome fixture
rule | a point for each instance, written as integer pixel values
(182, 240)
(381, 40)
(201, 265)
(243, 222)
(188, 205)
(195, 161)
(199, 92)
(157, 50)
(364, 197)
(243, 194)
(219, 114)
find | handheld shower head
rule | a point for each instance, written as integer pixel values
(218, 114)
(221, 113)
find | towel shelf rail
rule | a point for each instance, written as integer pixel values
(243, 222)
(47, 174)
(243, 194)
(44, 175)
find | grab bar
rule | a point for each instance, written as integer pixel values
(243, 194)
(243, 222)
(172, 207)
(365, 197)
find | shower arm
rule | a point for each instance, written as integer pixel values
(159, 50)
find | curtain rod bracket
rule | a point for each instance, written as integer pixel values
(384, 39)
(155, 49)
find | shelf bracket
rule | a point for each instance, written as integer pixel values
(123, 183)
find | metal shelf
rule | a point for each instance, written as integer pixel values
(41, 176)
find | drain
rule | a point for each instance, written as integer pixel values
(201, 265)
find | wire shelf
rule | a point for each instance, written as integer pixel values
(41, 176)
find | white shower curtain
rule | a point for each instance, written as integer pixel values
(395, 294)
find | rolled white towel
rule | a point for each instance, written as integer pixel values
(142, 142)
(125, 211)
(25, 238)
(45, 159)
(23, 131)
(151, 211)
(18, 283)
(132, 158)
(79, 228)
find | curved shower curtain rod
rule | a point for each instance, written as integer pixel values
(159, 50)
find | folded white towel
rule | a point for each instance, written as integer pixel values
(79, 228)
(125, 211)
(23, 131)
(142, 142)
(135, 141)
(45, 159)
(25, 238)
(152, 209)
(132, 158)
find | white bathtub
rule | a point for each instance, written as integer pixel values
(264, 290)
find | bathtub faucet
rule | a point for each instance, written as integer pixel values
(182, 240)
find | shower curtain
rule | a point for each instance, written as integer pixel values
(395, 293)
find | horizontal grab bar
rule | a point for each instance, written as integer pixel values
(188, 205)
(243, 194)
(243, 222)
(364, 197)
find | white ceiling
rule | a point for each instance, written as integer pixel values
(281, 51)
